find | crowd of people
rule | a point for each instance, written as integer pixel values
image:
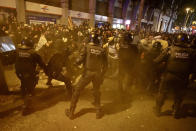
(151, 60)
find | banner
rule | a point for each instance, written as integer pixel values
(42, 41)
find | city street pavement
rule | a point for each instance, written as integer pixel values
(134, 112)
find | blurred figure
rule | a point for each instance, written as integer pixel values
(59, 68)
(180, 64)
(128, 56)
(164, 42)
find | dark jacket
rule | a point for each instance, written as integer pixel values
(27, 61)
(94, 58)
(180, 60)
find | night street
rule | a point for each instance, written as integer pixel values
(135, 113)
(97, 65)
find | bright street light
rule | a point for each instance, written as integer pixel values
(187, 10)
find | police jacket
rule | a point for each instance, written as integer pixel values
(27, 61)
(180, 60)
(94, 58)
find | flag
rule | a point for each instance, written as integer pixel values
(42, 41)
(70, 23)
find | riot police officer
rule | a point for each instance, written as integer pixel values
(128, 55)
(95, 63)
(26, 63)
(180, 63)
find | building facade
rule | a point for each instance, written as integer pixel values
(119, 13)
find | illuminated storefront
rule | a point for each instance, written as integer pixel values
(118, 23)
(78, 17)
(100, 20)
(40, 13)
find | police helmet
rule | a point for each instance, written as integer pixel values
(157, 45)
(128, 37)
(94, 38)
(26, 44)
(181, 39)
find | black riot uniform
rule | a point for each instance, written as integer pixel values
(95, 63)
(180, 63)
(26, 63)
(59, 68)
(128, 55)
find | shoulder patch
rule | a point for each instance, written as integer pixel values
(182, 55)
(24, 54)
(95, 51)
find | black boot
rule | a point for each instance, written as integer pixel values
(97, 104)
(159, 103)
(74, 100)
(70, 113)
(28, 105)
(99, 113)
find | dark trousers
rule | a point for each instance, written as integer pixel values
(61, 77)
(126, 75)
(28, 85)
(176, 84)
(87, 77)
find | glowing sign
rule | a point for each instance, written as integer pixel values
(45, 8)
(127, 22)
